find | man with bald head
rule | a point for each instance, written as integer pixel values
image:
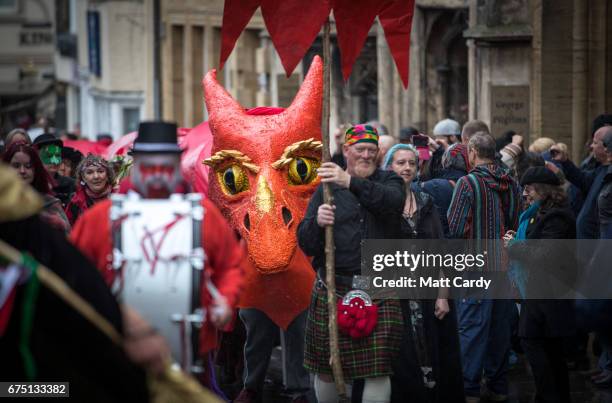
(589, 182)
(385, 142)
(472, 127)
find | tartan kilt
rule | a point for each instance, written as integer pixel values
(367, 357)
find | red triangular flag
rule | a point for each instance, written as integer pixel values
(396, 20)
(293, 27)
(236, 16)
(354, 19)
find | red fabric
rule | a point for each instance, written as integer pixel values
(236, 16)
(86, 146)
(121, 146)
(354, 19)
(77, 204)
(396, 20)
(293, 27)
(225, 256)
(196, 143)
(105, 142)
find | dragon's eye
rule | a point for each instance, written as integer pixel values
(233, 179)
(303, 170)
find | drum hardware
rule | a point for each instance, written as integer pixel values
(197, 257)
(196, 318)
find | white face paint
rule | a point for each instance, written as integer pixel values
(156, 176)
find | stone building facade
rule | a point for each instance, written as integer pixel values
(191, 46)
(540, 67)
(27, 46)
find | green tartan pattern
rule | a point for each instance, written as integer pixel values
(368, 357)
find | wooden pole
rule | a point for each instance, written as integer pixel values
(330, 270)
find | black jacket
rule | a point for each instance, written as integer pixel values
(65, 346)
(548, 318)
(370, 209)
(427, 221)
(64, 188)
(604, 205)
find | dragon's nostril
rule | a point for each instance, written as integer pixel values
(287, 217)
(247, 222)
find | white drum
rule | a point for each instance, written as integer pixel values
(158, 254)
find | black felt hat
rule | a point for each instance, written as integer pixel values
(46, 139)
(539, 175)
(72, 154)
(156, 137)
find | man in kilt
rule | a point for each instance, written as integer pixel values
(368, 204)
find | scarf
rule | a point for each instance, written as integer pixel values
(96, 197)
(517, 273)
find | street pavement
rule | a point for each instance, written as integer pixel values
(522, 389)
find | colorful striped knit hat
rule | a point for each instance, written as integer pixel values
(361, 134)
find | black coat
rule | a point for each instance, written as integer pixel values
(427, 220)
(369, 209)
(441, 336)
(549, 318)
(65, 346)
(64, 188)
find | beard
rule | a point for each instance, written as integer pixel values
(364, 169)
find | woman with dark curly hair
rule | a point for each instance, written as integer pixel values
(24, 159)
(95, 179)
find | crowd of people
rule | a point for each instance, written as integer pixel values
(490, 189)
(460, 182)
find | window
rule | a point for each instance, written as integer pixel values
(131, 118)
(8, 7)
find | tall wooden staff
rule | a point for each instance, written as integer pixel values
(292, 28)
(328, 198)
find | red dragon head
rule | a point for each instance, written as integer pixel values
(264, 167)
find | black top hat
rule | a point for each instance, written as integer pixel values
(156, 137)
(46, 139)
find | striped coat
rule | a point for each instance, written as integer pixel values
(485, 204)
